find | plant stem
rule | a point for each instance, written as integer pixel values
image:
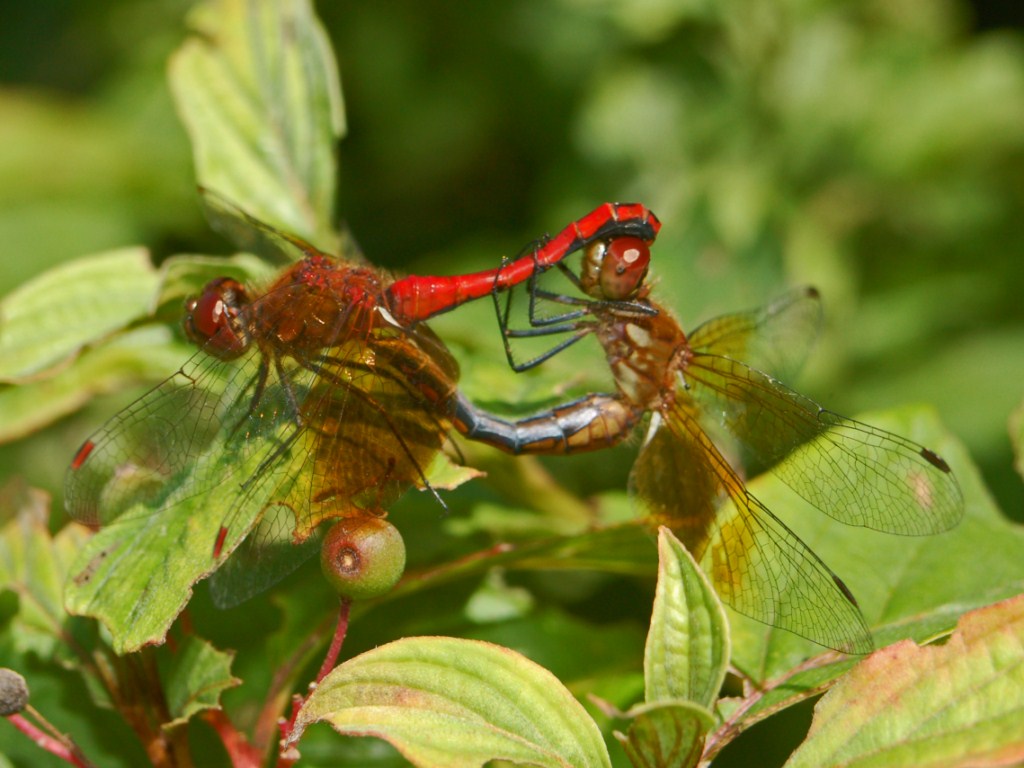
(58, 744)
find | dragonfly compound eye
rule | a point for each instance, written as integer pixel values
(212, 319)
(623, 268)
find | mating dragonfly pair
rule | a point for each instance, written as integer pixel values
(331, 393)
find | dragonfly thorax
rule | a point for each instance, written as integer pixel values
(644, 355)
(314, 306)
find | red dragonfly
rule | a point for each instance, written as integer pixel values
(709, 398)
(321, 397)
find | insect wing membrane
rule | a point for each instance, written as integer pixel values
(853, 472)
(776, 338)
(756, 564)
(134, 463)
(373, 414)
(253, 235)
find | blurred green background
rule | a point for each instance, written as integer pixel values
(873, 149)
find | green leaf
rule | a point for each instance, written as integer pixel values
(194, 677)
(136, 574)
(53, 315)
(144, 354)
(257, 87)
(684, 663)
(458, 704)
(33, 565)
(667, 735)
(494, 600)
(445, 474)
(957, 704)
(688, 644)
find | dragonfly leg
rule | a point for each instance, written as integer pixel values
(579, 322)
(579, 329)
(588, 424)
(321, 368)
(537, 293)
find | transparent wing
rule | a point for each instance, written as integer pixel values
(756, 564)
(132, 464)
(267, 448)
(255, 236)
(776, 338)
(856, 473)
(374, 415)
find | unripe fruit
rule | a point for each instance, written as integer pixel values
(362, 557)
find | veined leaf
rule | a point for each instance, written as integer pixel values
(56, 313)
(688, 643)
(458, 704)
(194, 678)
(957, 704)
(257, 87)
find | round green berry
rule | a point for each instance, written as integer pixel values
(362, 557)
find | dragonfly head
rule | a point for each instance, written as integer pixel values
(212, 319)
(614, 270)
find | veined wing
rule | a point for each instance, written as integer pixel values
(149, 455)
(373, 413)
(278, 444)
(856, 473)
(756, 564)
(776, 338)
(255, 236)
(173, 481)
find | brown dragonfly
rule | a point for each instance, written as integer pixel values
(717, 416)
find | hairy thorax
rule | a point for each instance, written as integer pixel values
(646, 353)
(316, 304)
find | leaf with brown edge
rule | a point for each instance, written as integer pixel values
(957, 704)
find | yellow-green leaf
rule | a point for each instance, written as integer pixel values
(457, 704)
(257, 87)
(54, 314)
(688, 642)
(958, 704)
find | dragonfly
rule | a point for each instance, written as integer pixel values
(715, 414)
(323, 396)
